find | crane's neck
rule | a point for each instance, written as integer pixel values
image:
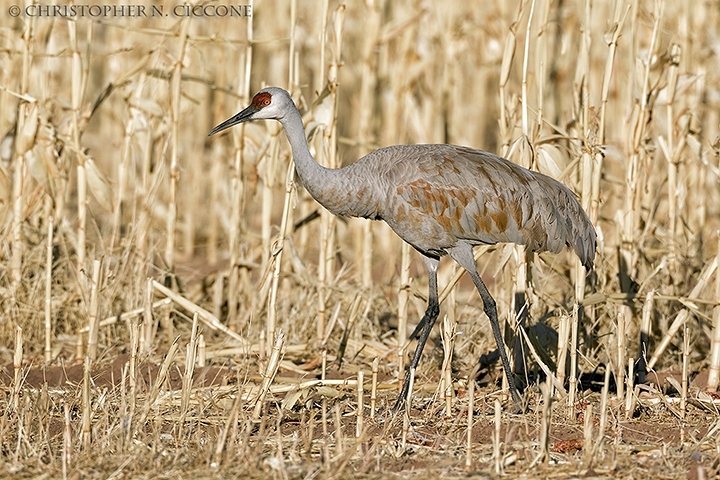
(332, 188)
(311, 173)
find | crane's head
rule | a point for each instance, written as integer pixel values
(268, 103)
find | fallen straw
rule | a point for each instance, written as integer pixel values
(126, 315)
(682, 317)
(206, 317)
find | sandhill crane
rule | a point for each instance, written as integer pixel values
(441, 199)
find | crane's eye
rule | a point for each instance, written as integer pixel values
(262, 100)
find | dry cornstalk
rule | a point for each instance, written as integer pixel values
(124, 166)
(148, 321)
(278, 245)
(237, 183)
(406, 411)
(85, 437)
(201, 351)
(671, 156)
(543, 456)
(496, 439)
(269, 374)
(323, 370)
(572, 387)
(630, 218)
(471, 408)
(630, 389)
(586, 175)
(714, 373)
(360, 404)
(222, 438)
(78, 85)
(268, 184)
(159, 381)
(645, 335)
(612, 41)
(145, 199)
(326, 156)
(620, 367)
(335, 316)
(24, 139)
(17, 367)
(685, 356)
(92, 338)
(588, 436)
(522, 288)
(48, 287)
(67, 441)
(603, 410)
(277, 248)
(507, 60)
(524, 85)
(447, 333)
(405, 430)
(218, 290)
(132, 372)
(373, 391)
(339, 438)
(175, 90)
(562, 349)
(79, 347)
(262, 345)
(368, 81)
(190, 355)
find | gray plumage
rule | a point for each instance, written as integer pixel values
(441, 199)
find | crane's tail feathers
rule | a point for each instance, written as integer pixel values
(583, 239)
(575, 226)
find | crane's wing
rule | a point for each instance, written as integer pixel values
(439, 194)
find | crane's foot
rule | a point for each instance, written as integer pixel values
(517, 407)
(516, 398)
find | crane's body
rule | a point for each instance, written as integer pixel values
(441, 199)
(434, 196)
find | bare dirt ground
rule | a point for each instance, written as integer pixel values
(316, 437)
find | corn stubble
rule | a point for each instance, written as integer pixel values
(126, 236)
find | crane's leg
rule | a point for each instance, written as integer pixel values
(463, 255)
(425, 325)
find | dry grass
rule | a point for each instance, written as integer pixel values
(169, 308)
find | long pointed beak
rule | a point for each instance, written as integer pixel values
(243, 116)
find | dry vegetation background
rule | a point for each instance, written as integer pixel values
(120, 221)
